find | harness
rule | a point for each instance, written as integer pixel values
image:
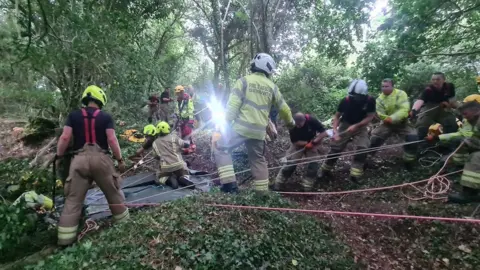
(89, 126)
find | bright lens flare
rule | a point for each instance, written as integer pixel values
(218, 113)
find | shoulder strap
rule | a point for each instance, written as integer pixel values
(307, 117)
(90, 135)
(347, 99)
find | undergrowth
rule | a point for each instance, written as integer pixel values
(191, 235)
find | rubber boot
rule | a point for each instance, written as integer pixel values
(230, 188)
(408, 165)
(184, 181)
(172, 182)
(324, 174)
(279, 182)
(354, 179)
(467, 195)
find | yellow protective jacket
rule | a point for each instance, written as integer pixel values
(395, 106)
(249, 105)
(184, 108)
(466, 131)
(474, 140)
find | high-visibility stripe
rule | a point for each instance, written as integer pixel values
(238, 93)
(67, 233)
(307, 182)
(261, 185)
(162, 180)
(356, 172)
(227, 174)
(326, 167)
(122, 217)
(249, 125)
(408, 157)
(256, 106)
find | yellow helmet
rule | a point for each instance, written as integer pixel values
(96, 93)
(163, 128)
(179, 88)
(474, 97)
(150, 130)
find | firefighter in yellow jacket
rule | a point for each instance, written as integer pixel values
(470, 180)
(460, 157)
(247, 112)
(184, 111)
(392, 109)
(173, 170)
(93, 133)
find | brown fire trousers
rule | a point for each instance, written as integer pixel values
(294, 154)
(256, 156)
(361, 142)
(91, 164)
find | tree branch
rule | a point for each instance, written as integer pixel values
(437, 54)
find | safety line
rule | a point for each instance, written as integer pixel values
(362, 190)
(331, 212)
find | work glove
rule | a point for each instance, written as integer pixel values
(413, 114)
(445, 105)
(291, 125)
(121, 166)
(309, 145)
(388, 121)
(431, 138)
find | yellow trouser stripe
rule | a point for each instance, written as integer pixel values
(356, 172)
(326, 167)
(67, 233)
(122, 217)
(261, 184)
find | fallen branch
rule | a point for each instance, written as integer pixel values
(42, 152)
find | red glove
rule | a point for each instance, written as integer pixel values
(388, 121)
(309, 145)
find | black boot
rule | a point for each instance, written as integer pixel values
(230, 188)
(467, 195)
(324, 174)
(184, 181)
(408, 166)
(354, 179)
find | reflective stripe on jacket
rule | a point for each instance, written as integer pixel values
(249, 105)
(474, 140)
(168, 148)
(395, 106)
(184, 107)
(466, 131)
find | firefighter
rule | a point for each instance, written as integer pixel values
(93, 133)
(150, 133)
(470, 180)
(153, 108)
(247, 111)
(392, 108)
(307, 134)
(184, 111)
(460, 157)
(436, 99)
(173, 170)
(350, 122)
(163, 107)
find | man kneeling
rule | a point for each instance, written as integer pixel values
(303, 136)
(173, 170)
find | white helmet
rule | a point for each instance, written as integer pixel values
(358, 87)
(264, 62)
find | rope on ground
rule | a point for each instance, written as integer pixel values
(90, 225)
(429, 160)
(437, 185)
(330, 212)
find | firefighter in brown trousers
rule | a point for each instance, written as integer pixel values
(93, 133)
(307, 134)
(353, 115)
(173, 170)
(433, 107)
